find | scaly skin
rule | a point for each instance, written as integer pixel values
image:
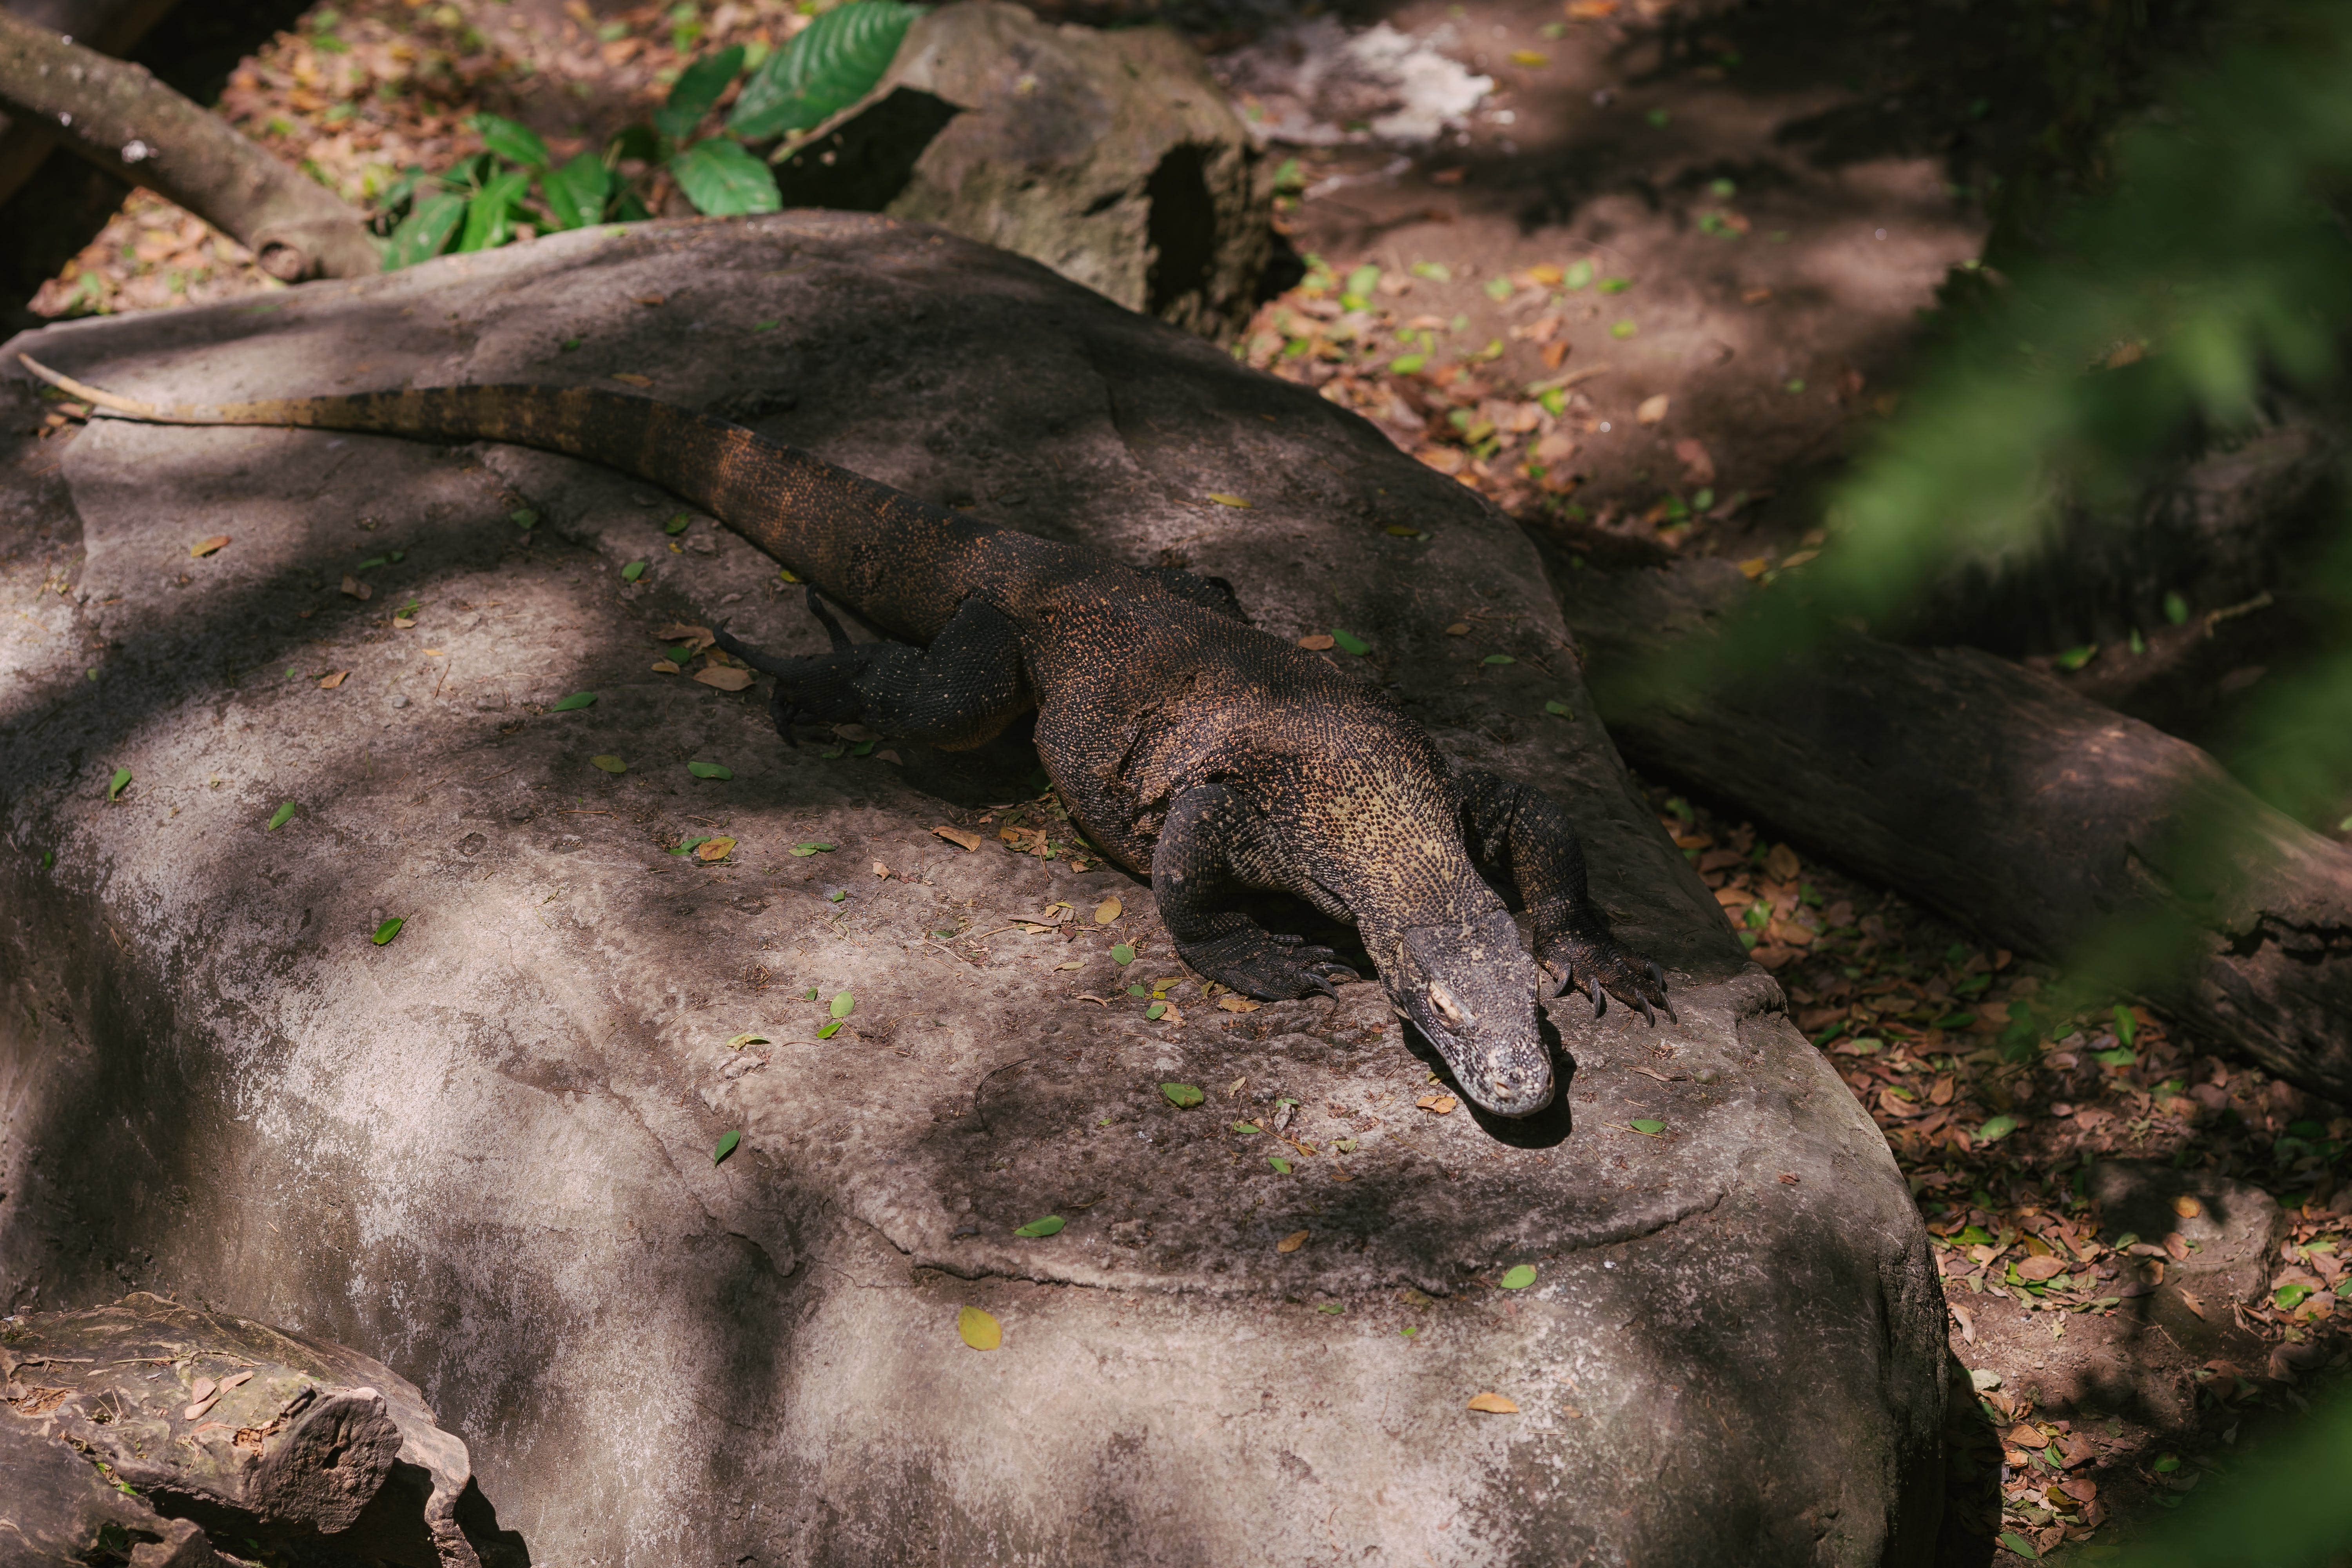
(1192, 747)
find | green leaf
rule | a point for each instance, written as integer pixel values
(679, 523)
(739, 1041)
(424, 232)
(114, 787)
(372, 563)
(2076, 657)
(633, 571)
(2175, 609)
(1280, 1164)
(1558, 708)
(516, 143)
(1995, 1128)
(726, 1145)
(812, 847)
(1498, 658)
(1350, 643)
(1246, 1127)
(1435, 271)
(1626, 328)
(1157, 1010)
(722, 180)
(1122, 954)
(2127, 1026)
(1182, 1096)
(829, 1030)
(1973, 1236)
(842, 1005)
(2120, 1057)
(1519, 1277)
(1333, 1308)
(2289, 1297)
(490, 211)
(829, 65)
(49, 858)
(2166, 1464)
(690, 845)
(1646, 1127)
(525, 520)
(1615, 284)
(390, 929)
(1405, 364)
(709, 771)
(578, 699)
(2019, 1544)
(1578, 276)
(697, 88)
(609, 762)
(574, 195)
(280, 818)
(1498, 288)
(1049, 1226)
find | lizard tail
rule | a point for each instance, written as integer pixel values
(886, 556)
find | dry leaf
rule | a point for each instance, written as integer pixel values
(881, 871)
(1494, 1405)
(2188, 1299)
(663, 667)
(1107, 911)
(1458, 629)
(680, 631)
(643, 299)
(1073, 963)
(1224, 500)
(2177, 1246)
(889, 756)
(206, 546)
(1292, 1242)
(328, 682)
(957, 836)
(714, 849)
(855, 733)
(2036, 1269)
(201, 1390)
(233, 1379)
(633, 378)
(194, 1411)
(979, 1329)
(1783, 863)
(1339, 1175)
(357, 589)
(724, 679)
(2187, 1207)
(1318, 642)
(1653, 409)
(1698, 467)
(1438, 1103)
(1238, 1004)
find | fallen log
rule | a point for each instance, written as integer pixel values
(244, 1430)
(1993, 793)
(121, 119)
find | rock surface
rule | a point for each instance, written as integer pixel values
(1112, 157)
(484, 1151)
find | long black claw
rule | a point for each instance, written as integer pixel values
(824, 617)
(1320, 983)
(1648, 1012)
(1599, 997)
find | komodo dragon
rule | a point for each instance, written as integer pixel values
(1188, 744)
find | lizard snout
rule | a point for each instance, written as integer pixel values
(1472, 993)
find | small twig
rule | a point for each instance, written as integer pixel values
(956, 956)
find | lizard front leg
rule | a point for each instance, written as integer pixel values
(956, 694)
(1522, 834)
(1192, 877)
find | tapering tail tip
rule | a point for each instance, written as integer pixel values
(132, 407)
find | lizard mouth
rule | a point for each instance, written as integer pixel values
(1475, 1002)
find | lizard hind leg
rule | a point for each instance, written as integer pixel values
(957, 693)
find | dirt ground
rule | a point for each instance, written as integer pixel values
(1658, 285)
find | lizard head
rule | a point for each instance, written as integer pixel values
(1471, 988)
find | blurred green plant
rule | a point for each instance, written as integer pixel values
(829, 65)
(2284, 1506)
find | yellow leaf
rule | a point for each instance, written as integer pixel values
(980, 1331)
(724, 679)
(2187, 1207)
(633, 378)
(1223, 500)
(206, 546)
(1527, 58)
(1545, 275)
(1458, 629)
(1754, 567)
(1494, 1405)
(328, 682)
(663, 667)
(714, 849)
(1292, 1242)
(1107, 911)
(957, 836)
(1238, 1005)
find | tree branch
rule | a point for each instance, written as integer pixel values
(121, 118)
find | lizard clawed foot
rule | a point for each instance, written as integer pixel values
(1587, 965)
(1263, 966)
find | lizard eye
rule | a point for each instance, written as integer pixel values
(1452, 1012)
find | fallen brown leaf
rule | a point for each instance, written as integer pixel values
(1458, 629)
(328, 682)
(1494, 1405)
(663, 667)
(958, 836)
(1108, 910)
(1783, 863)
(855, 733)
(724, 679)
(2188, 1298)
(714, 849)
(1699, 466)
(1317, 643)
(2036, 1269)
(206, 546)
(1439, 1104)
(357, 589)
(680, 631)
(2187, 1207)
(1238, 1004)
(1652, 410)
(2176, 1247)
(1292, 1242)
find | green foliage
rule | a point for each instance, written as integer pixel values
(829, 65)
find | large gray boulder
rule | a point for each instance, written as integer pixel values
(483, 1152)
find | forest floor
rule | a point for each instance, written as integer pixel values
(1659, 286)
